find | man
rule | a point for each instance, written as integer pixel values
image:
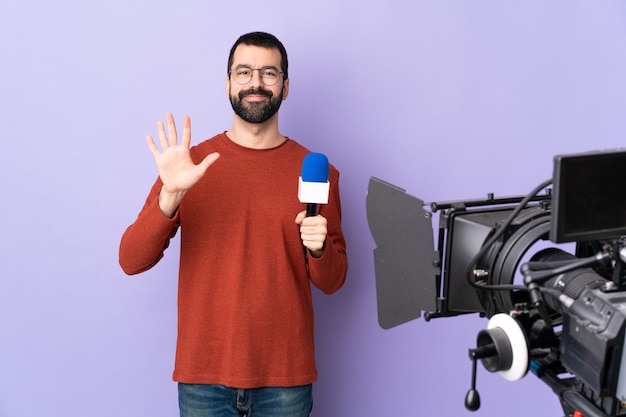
(248, 252)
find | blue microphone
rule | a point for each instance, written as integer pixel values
(313, 185)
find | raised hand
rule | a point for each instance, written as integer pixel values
(176, 169)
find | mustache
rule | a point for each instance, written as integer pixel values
(255, 91)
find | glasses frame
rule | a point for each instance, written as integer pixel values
(239, 67)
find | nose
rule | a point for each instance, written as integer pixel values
(256, 79)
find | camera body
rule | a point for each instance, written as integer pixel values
(565, 321)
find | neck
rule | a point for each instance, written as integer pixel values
(255, 135)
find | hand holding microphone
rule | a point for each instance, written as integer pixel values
(313, 190)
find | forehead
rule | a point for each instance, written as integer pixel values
(256, 56)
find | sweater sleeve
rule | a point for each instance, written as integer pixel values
(328, 272)
(144, 242)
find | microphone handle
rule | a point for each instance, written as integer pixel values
(311, 209)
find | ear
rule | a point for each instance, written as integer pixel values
(285, 89)
(227, 86)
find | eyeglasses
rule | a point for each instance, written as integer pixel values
(243, 75)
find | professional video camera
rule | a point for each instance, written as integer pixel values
(565, 321)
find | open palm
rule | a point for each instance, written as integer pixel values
(176, 169)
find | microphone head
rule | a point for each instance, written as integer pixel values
(313, 185)
(315, 168)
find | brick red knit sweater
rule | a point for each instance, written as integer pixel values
(245, 315)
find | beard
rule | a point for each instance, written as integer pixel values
(256, 112)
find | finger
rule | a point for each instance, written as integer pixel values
(153, 149)
(313, 237)
(171, 129)
(186, 132)
(317, 220)
(208, 161)
(300, 217)
(162, 135)
(315, 232)
(313, 245)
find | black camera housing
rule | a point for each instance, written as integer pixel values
(570, 308)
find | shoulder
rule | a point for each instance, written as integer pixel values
(303, 151)
(295, 147)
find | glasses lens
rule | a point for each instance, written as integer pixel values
(269, 76)
(243, 75)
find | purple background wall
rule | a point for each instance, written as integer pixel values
(447, 99)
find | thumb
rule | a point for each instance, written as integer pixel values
(208, 161)
(300, 217)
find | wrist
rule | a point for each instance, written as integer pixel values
(169, 202)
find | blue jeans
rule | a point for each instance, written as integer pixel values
(202, 400)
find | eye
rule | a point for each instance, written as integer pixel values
(269, 73)
(243, 72)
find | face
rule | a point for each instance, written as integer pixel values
(255, 101)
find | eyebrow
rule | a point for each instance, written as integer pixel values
(262, 68)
